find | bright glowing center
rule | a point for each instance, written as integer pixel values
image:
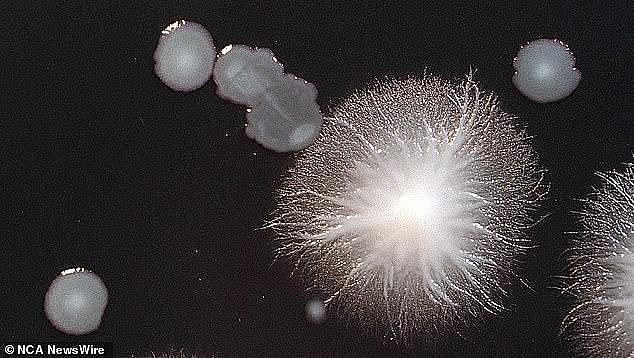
(416, 209)
(418, 206)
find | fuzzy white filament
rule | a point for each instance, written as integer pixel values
(409, 211)
(601, 269)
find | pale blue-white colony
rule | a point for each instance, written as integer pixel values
(283, 114)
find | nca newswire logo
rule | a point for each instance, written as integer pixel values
(58, 350)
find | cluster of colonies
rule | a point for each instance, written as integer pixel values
(283, 113)
(411, 207)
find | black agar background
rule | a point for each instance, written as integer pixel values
(160, 193)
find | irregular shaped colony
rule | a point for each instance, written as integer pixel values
(284, 114)
(75, 301)
(185, 56)
(244, 74)
(410, 211)
(287, 117)
(545, 71)
(601, 267)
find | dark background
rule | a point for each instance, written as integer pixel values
(160, 193)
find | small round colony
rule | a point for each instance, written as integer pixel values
(545, 71)
(283, 113)
(601, 266)
(315, 311)
(185, 55)
(75, 301)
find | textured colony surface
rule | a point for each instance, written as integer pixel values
(75, 301)
(409, 212)
(284, 114)
(185, 55)
(601, 266)
(545, 71)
